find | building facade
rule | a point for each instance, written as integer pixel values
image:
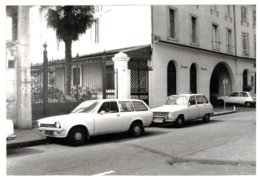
(199, 48)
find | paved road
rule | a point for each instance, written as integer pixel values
(225, 146)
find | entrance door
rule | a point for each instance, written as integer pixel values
(171, 79)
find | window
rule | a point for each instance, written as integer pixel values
(255, 45)
(192, 100)
(97, 31)
(229, 12)
(254, 18)
(214, 10)
(172, 17)
(229, 41)
(139, 106)
(243, 94)
(199, 100)
(171, 78)
(215, 37)
(109, 107)
(244, 16)
(76, 76)
(125, 106)
(194, 31)
(193, 79)
(10, 64)
(235, 94)
(245, 44)
(110, 77)
(205, 99)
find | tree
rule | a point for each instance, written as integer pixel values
(69, 22)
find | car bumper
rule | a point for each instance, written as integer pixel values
(162, 120)
(53, 132)
(11, 137)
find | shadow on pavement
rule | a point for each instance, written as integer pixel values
(111, 138)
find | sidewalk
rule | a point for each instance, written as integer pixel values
(30, 137)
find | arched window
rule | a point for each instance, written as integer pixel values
(171, 78)
(245, 80)
(193, 79)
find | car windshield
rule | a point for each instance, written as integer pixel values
(252, 94)
(177, 100)
(85, 107)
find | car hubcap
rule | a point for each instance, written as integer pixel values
(137, 129)
(78, 136)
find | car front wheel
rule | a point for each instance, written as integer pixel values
(180, 121)
(77, 136)
(136, 129)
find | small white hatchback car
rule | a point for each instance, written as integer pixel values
(184, 107)
(239, 97)
(96, 117)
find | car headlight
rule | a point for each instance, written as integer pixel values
(57, 125)
(170, 116)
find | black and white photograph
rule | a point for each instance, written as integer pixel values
(100, 88)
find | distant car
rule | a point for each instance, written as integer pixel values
(96, 117)
(10, 130)
(239, 97)
(184, 107)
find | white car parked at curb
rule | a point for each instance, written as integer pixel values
(96, 117)
(238, 97)
(184, 107)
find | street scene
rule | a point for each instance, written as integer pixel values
(99, 90)
(224, 146)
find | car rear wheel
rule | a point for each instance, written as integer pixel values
(136, 129)
(180, 121)
(248, 104)
(77, 136)
(206, 118)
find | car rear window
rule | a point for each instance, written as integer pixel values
(125, 106)
(205, 99)
(139, 106)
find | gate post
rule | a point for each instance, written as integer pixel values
(123, 75)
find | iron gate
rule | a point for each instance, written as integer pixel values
(139, 79)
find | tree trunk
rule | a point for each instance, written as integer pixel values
(68, 60)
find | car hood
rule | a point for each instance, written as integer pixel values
(66, 117)
(169, 108)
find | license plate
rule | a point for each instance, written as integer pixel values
(48, 132)
(158, 120)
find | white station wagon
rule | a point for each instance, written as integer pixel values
(96, 117)
(184, 107)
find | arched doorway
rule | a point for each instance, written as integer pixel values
(220, 75)
(193, 78)
(171, 78)
(245, 80)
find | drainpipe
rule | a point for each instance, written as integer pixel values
(235, 36)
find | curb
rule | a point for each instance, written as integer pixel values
(27, 143)
(224, 113)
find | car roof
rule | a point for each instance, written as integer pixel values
(105, 100)
(187, 95)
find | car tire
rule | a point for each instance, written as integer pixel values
(136, 129)
(77, 136)
(180, 121)
(248, 104)
(206, 118)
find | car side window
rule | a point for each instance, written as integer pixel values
(235, 94)
(192, 100)
(205, 100)
(109, 107)
(199, 100)
(125, 106)
(243, 94)
(139, 106)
